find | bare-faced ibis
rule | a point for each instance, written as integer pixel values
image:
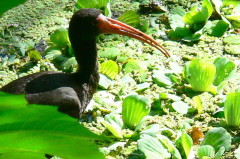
(72, 92)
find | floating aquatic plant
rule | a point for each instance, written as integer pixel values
(103, 5)
(207, 151)
(114, 124)
(152, 148)
(60, 51)
(60, 37)
(232, 109)
(109, 68)
(134, 108)
(200, 74)
(224, 69)
(130, 18)
(217, 138)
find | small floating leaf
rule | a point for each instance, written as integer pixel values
(109, 68)
(198, 104)
(69, 64)
(152, 148)
(114, 124)
(51, 52)
(200, 74)
(232, 40)
(206, 151)
(224, 69)
(34, 55)
(134, 108)
(60, 37)
(161, 79)
(143, 86)
(109, 53)
(130, 18)
(232, 109)
(232, 49)
(180, 107)
(104, 82)
(237, 153)
(187, 144)
(103, 5)
(217, 137)
(171, 148)
(131, 65)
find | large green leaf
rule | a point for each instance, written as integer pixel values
(232, 109)
(152, 148)
(217, 138)
(30, 131)
(37, 129)
(134, 108)
(5, 5)
(9, 101)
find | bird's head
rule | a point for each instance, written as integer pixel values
(89, 23)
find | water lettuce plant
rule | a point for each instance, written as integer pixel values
(60, 50)
(200, 74)
(38, 127)
(134, 108)
(103, 5)
(225, 69)
(207, 151)
(188, 26)
(130, 18)
(109, 68)
(232, 109)
(152, 147)
(217, 138)
(229, 11)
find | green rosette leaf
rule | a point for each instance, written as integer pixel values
(232, 109)
(60, 37)
(109, 68)
(224, 69)
(130, 18)
(217, 138)
(152, 147)
(134, 108)
(200, 74)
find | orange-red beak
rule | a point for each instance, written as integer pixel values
(108, 25)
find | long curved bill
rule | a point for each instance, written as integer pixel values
(111, 26)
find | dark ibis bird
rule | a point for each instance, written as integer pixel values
(72, 92)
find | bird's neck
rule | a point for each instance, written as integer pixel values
(86, 56)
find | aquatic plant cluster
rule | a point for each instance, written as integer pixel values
(147, 106)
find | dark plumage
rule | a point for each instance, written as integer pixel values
(73, 91)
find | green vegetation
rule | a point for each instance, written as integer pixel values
(29, 131)
(147, 106)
